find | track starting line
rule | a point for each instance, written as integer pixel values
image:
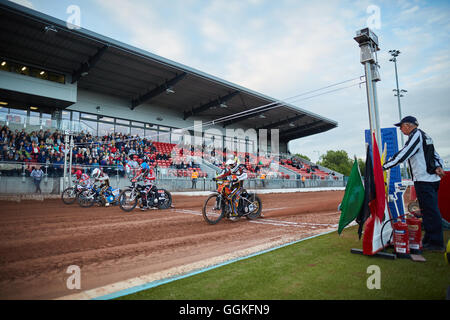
(273, 222)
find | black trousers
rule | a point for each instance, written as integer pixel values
(427, 195)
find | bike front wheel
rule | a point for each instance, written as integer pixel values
(255, 207)
(85, 199)
(69, 195)
(213, 210)
(128, 200)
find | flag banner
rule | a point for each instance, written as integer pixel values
(353, 198)
(389, 137)
(374, 240)
(369, 193)
(380, 190)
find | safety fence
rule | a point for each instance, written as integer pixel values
(16, 178)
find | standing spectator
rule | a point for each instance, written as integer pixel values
(426, 170)
(194, 177)
(37, 175)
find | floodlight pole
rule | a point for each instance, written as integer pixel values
(368, 42)
(398, 94)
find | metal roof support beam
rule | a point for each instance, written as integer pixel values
(85, 67)
(250, 115)
(210, 105)
(306, 133)
(157, 91)
(299, 129)
(282, 122)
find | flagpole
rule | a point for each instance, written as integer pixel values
(368, 43)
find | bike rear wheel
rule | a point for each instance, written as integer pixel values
(211, 213)
(69, 195)
(128, 200)
(257, 207)
(167, 202)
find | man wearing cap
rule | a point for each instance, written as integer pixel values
(426, 169)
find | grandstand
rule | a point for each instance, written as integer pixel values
(118, 101)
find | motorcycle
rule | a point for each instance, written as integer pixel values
(70, 194)
(132, 196)
(218, 204)
(90, 195)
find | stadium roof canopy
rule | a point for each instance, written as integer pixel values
(101, 64)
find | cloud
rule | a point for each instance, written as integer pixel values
(291, 47)
(147, 29)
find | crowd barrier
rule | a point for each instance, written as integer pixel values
(55, 185)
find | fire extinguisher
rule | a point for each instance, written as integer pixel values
(401, 237)
(415, 234)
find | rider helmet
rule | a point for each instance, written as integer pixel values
(96, 173)
(78, 174)
(230, 163)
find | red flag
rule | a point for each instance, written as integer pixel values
(377, 206)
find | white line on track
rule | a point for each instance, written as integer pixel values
(271, 221)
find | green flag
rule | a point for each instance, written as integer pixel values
(353, 198)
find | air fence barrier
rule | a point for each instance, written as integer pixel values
(15, 179)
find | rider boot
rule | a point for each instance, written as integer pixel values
(144, 203)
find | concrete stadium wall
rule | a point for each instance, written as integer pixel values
(25, 185)
(38, 87)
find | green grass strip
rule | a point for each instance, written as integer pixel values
(321, 268)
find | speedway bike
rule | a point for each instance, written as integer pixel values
(133, 196)
(70, 194)
(92, 194)
(218, 204)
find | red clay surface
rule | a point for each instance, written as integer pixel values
(40, 240)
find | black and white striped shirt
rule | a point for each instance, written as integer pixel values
(421, 156)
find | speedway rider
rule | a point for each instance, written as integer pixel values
(237, 174)
(147, 175)
(103, 178)
(83, 179)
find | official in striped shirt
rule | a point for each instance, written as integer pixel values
(426, 169)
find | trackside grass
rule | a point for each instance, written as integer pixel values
(321, 268)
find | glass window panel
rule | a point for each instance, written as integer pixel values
(164, 128)
(120, 121)
(3, 112)
(75, 115)
(137, 124)
(105, 129)
(34, 118)
(122, 129)
(17, 116)
(88, 116)
(151, 134)
(137, 132)
(164, 136)
(106, 119)
(176, 136)
(88, 126)
(65, 115)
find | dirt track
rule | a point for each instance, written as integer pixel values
(39, 240)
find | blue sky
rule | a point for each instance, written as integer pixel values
(287, 47)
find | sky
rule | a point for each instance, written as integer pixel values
(285, 48)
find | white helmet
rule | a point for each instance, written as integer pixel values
(96, 173)
(230, 162)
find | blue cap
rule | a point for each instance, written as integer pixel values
(408, 119)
